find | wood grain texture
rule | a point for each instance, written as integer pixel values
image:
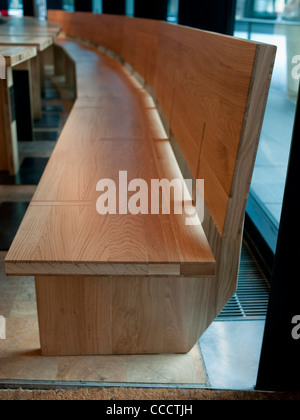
(253, 121)
(106, 245)
(143, 36)
(127, 146)
(96, 73)
(28, 26)
(3, 128)
(8, 127)
(208, 90)
(35, 88)
(40, 43)
(211, 90)
(17, 55)
(112, 315)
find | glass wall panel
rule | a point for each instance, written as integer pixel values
(276, 22)
(130, 8)
(15, 8)
(69, 5)
(173, 11)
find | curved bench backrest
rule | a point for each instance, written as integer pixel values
(211, 91)
(205, 86)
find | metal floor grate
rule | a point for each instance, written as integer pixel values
(252, 297)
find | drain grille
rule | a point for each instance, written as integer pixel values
(252, 297)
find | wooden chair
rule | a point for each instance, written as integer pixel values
(160, 102)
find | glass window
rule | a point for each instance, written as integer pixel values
(276, 22)
(15, 8)
(69, 5)
(173, 8)
(130, 8)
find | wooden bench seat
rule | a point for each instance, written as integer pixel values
(99, 140)
(159, 102)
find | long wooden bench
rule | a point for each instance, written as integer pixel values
(160, 102)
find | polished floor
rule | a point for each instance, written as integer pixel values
(226, 357)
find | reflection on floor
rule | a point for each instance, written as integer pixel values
(226, 356)
(30, 172)
(11, 217)
(231, 351)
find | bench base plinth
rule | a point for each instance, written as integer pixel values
(122, 315)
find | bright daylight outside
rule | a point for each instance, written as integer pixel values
(276, 22)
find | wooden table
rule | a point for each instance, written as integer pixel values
(29, 26)
(14, 57)
(26, 40)
(34, 66)
(41, 43)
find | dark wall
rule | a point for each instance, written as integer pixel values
(54, 4)
(28, 7)
(83, 5)
(3, 4)
(114, 7)
(212, 15)
(279, 365)
(151, 9)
